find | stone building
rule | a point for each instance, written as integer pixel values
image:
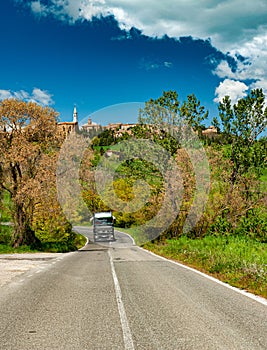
(65, 128)
(211, 131)
(91, 126)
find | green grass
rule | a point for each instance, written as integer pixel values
(52, 247)
(264, 176)
(264, 180)
(7, 249)
(239, 261)
(115, 147)
(5, 214)
(79, 241)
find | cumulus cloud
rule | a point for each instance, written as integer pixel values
(39, 8)
(39, 96)
(20, 95)
(232, 88)
(5, 94)
(235, 27)
(228, 23)
(253, 67)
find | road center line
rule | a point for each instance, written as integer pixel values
(127, 335)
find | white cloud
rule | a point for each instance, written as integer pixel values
(252, 68)
(148, 64)
(39, 8)
(21, 95)
(235, 26)
(5, 94)
(229, 23)
(42, 97)
(232, 88)
(167, 64)
(224, 70)
(260, 85)
(39, 96)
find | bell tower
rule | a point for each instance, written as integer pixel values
(75, 115)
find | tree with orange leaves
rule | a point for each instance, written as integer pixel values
(28, 144)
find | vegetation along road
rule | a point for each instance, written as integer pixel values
(118, 296)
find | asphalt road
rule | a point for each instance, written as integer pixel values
(118, 296)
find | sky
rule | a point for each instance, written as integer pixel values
(108, 57)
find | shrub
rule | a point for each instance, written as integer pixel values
(221, 226)
(254, 225)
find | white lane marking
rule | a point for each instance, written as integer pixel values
(127, 335)
(241, 291)
(127, 234)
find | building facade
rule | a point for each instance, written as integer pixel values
(65, 128)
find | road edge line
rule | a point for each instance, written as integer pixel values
(254, 297)
(127, 335)
(127, 234)
(87, 239)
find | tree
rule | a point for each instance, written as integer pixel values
(48, 221)
(162, 111)
(28, 143)
(175, 128)
(241, 126)
(193, 112)
(167, 110)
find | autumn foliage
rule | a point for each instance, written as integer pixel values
(30, 149)
(28, 152)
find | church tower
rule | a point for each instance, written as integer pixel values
(65, 128)
(75, 115)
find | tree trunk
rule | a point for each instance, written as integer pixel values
(23, 234)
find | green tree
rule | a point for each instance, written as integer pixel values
(167, 110)
(162, 111)
(193, 112)
(241, 126)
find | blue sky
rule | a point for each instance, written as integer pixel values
(101, 53)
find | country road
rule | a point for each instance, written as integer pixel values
(118, 296)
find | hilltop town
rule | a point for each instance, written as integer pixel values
(66, 128)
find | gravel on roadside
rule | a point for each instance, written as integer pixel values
(12, 265)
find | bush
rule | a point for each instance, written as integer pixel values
(254, 225)
(221, 226)
(5, 234)
(57, 247)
